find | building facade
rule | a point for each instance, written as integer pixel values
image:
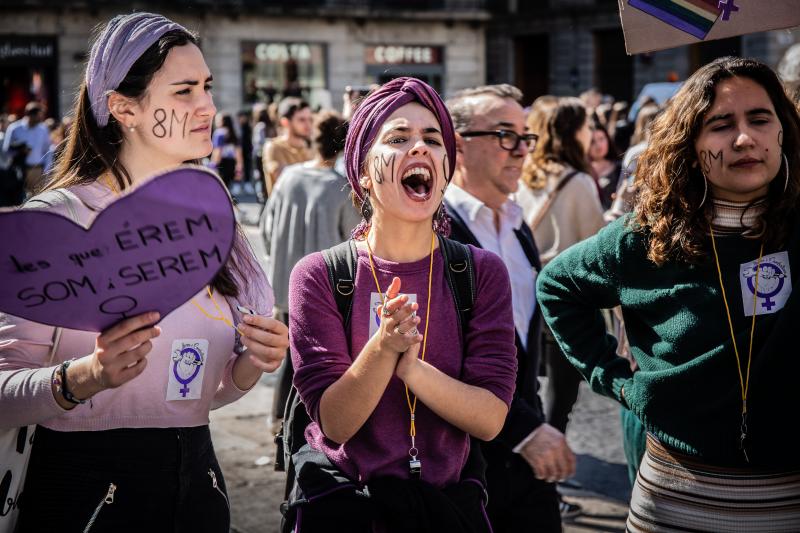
(257, 50)
(564, 47)
(261, 50)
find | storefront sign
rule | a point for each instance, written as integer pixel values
(282, 52)
(403, 55)
(150, 250)
(25, 49)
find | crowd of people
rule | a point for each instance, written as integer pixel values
(430, 259)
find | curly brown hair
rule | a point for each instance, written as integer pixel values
(558, 146)
(670, 208)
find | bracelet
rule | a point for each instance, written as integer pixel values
(60, 383)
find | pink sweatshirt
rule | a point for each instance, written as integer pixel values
(169, 393)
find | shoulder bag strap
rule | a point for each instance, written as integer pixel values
(525, 237)
(341, 263)
(550, 199)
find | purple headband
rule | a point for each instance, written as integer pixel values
(123, 41)
(373, 111)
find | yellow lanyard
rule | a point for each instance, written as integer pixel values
(412, 405)
(744, 380)
(220, 316)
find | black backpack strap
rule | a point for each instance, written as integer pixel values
(341, 263)
(459, 270)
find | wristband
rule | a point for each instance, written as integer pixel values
(60, 382)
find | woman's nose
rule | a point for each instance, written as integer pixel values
(420, 148)
(743, 139)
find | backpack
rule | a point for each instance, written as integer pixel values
(341, 261)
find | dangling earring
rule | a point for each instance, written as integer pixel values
(705, 191)
(366, 207)
(786, 162)
(441, 221)
(438, 219)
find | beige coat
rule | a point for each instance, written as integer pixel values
(575, 214)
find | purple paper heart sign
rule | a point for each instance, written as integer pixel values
(151, 249)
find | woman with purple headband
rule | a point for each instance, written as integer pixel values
(118, 447)
(395, 395)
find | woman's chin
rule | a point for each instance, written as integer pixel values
(415, 214)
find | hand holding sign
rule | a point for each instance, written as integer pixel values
(150, 250)
(119, 356)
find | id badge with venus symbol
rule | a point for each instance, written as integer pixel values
(186, 369)
(375, 300)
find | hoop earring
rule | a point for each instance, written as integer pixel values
(366, 207)
(705, 191)
(786, 162)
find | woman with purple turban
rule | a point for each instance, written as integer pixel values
(394, 392)
(122, 442)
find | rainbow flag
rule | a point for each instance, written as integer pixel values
(695, 17)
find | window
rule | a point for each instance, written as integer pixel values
(274, 70)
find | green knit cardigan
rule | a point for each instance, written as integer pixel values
(687, 390)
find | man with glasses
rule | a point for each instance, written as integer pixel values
(529, 455)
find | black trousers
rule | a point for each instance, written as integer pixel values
(124, 480)
(564, 382)
(12, 186)
(227, 170)
(518, 502)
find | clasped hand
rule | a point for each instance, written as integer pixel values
(398, 332)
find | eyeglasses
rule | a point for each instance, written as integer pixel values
(508, 139)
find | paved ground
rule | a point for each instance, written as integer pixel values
(244, 445)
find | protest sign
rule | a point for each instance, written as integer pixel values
(651, 25)
(152, 249)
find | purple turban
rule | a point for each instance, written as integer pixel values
(373, 111)
(123, 41)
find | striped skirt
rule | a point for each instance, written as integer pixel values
(674, 493)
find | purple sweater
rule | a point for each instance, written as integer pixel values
(320, 355)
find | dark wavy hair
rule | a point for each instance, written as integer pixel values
(329, 134)
(671, 184)
(558, 146)
(90, 150)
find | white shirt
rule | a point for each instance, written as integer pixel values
(480, 220)
(37, 138)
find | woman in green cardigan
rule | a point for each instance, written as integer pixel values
(703, 272)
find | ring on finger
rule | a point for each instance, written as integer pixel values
(386, 312)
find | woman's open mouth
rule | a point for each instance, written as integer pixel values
(417, 183)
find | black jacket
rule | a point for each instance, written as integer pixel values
(526, 413)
